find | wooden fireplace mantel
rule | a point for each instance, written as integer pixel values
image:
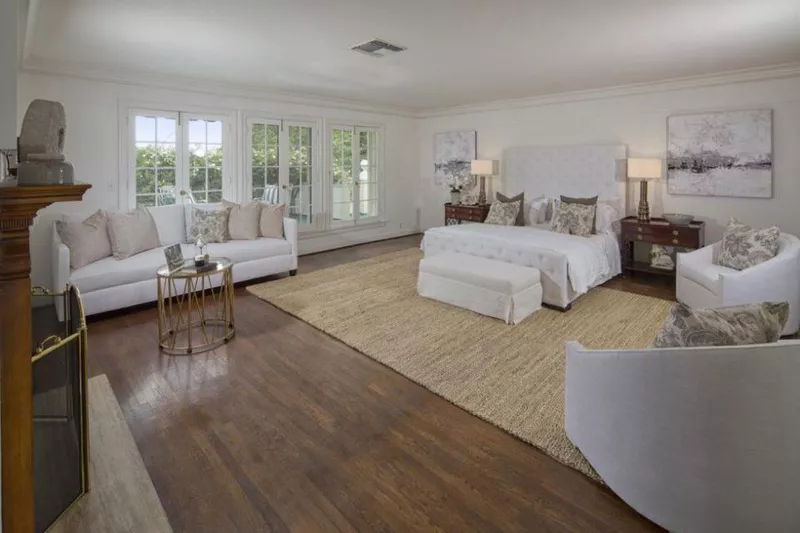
(18, 208)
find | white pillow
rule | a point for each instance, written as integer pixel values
(606, 216)
(87, 240)
(537, 211)
(132, 233)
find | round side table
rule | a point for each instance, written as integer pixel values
(195, 308)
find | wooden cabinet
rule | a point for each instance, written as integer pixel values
(657, 231)
(456, 214)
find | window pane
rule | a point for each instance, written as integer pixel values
(214, 197)
(369, 208)
(258, 137)
(145, 200)
(165, 155)
(145, 155)
(197, 131)
(214, 132)
(215, 178)
(197, 179)
(165, 129)
(258, 193)
(368, 191)
(214, 155)
(197, 155)
(145, 129)
(294, 176)
(272, 176)
(272, 145)
(258, 177)
(145, 180)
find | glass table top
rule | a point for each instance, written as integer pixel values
(188, 270)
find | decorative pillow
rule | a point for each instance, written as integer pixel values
(271, 222)
(724, 326)
(503, 213)
(132, 233)
(575, 219)
(518, 198)
(87, 240)
(243, 220)
(582, 201)
(744, 247)
(605, 217)
(537, 211)
(211, 225)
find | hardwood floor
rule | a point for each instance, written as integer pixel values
(287, 429)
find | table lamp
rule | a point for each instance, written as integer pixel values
(483, 168)
(644, 169)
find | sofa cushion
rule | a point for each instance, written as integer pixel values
(242, 251)
(271, 221)
(87, 240)
(110, 272)
(187, 216)
(170, 223)
(724, 326)
(212, 226)
(705, 274)
(132, 233)
(243, 219)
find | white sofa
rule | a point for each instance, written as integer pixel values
(695, 439)
(702, 283)
(110, 284)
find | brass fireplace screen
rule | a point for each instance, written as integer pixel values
(60, 426)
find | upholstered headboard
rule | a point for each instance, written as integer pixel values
(579, 171)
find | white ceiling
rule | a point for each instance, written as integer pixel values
(459, 51)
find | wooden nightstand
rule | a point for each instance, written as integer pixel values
(456, 214)
(657, 231)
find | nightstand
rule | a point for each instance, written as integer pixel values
(456, 214)
(657, 231)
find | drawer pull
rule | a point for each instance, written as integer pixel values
(675, 232)
(639, 229)
(675, 241)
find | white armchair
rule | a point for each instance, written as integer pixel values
(702, 283)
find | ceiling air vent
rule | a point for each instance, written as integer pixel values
(377, 48)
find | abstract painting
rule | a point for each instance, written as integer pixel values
(453, 152)
(720, 154)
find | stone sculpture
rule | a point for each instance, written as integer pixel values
(41, 145)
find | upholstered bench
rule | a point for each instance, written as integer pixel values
(492, 288)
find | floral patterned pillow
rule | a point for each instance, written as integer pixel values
(744, 247)
(725, 326)
(503, 213)
(211, 225)
(575, 219)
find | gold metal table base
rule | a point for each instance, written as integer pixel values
(193, 314)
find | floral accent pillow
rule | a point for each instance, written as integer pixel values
(503, 213)
(211, 225)
(575, 219)
(744, 247)
(725, 326)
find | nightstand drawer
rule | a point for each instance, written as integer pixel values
(667, 235)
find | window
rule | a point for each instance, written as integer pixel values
(282, 168)
(355, 171)
(174, 152)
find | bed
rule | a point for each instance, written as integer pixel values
(570, 265)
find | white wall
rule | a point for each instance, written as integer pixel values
(8, 74)
(93, 139)
(640, 121)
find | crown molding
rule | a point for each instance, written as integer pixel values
(787, 70)
(139, 78)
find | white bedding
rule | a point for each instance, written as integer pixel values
(571, 265)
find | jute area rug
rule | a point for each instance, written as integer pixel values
(511, 376)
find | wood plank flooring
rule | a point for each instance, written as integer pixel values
(287, 429)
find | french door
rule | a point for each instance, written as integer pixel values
(355, 175)
(281, 166)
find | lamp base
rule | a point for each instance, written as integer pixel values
(644, 208)
(482, 193)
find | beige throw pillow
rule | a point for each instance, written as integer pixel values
(87, 240)
(271, 223)
(724, 326)
(243, 220)
(132, 233)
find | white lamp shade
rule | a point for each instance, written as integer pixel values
(644, 168)
(484, 167)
